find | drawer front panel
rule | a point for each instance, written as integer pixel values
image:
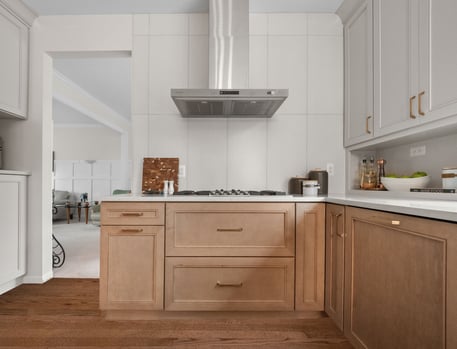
(230, 229)
(132, 213)
(195, 283)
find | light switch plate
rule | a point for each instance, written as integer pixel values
(182, 171)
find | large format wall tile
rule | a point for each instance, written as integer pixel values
(140, 75)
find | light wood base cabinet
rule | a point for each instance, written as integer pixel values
(400, 281)
(132, 256)
(229, 283)
(310, 256)
(334, 263)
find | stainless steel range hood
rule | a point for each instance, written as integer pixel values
(228, 95)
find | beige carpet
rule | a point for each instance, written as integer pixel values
(82, 249)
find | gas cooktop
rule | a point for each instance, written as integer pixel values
(232, 192)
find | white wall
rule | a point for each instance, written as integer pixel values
(86, 143)
(302, 52)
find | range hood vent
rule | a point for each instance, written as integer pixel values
(228, 95)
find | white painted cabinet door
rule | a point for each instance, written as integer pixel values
(13, 66)
(358, 112)
(438, 59)
(396, 71)
(12, 230)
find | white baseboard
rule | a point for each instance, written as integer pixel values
(38, 279)
(10, 285)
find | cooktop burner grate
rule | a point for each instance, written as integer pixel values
(232, 192)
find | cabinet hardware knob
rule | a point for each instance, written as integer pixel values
(395, 222)
(420, 103)
(229, 229)
(223, 284)
(411, 115)
(139, 230)
(136, 214)
(367, 126)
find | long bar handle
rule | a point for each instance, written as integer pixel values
(336, 216)
(136, 214)
(223, 284)
(230, 229)
(420, 103)
(139, 230)
(367, 125)
(411, 99)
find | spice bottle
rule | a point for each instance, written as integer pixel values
(362, 171)
(369, 181)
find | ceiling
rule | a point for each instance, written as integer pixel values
(85, 7)
(108, 79)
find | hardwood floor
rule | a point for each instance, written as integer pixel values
(63, 313)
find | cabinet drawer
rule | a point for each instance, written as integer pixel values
(132, 213)
(238, 283)
(230, 229)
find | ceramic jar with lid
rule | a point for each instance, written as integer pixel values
(449, 177)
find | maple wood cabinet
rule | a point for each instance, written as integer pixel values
(334, 263)
(400, 288)
(132, 256)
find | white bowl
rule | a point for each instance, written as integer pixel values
(404, 184)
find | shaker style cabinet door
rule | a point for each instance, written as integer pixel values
(358, 88)
(334, 263)
(400, 281)
(13, 65)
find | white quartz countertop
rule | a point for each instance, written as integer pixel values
(15, 173)
(435, 209)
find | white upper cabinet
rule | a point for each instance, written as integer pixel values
(414, 62)
(438, 59)
(14, 43)
(358, 113)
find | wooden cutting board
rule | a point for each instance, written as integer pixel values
(157, 170)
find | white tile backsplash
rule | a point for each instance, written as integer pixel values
(168, 59)
(258, 63)
(168, 24)
(207, 154)
(325, 145)
(140, 75)
(301, 52)
(198, 24)
(324, 24)
(287, 145)
(287, 68)
(141, 24)
(287, 24)
(247, 153)
(198, 61)
(325, 74)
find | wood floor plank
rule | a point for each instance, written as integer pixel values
(64, 313)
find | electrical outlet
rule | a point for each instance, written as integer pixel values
(182, 171)
(417, 151)
(331, 169)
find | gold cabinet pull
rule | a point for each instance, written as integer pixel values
(367, 126)
(335, 217)
(420, 103)
(139, 230)
(395, 222)
(223, 284)
(229, 229)
(411, 115)
(136, 214)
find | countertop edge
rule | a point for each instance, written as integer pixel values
(442, 210)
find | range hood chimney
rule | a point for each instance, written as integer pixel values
(228, 94)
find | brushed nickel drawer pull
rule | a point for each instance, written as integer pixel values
(139, 230)
(367, 126)
(229, 229)
(395, 222)
(222, 284)
(136, 214)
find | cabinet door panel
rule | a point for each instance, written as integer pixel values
(310, 259)
(399, 286)
(131, 271)
(359, 76)
(14, 65)
(334, 263)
